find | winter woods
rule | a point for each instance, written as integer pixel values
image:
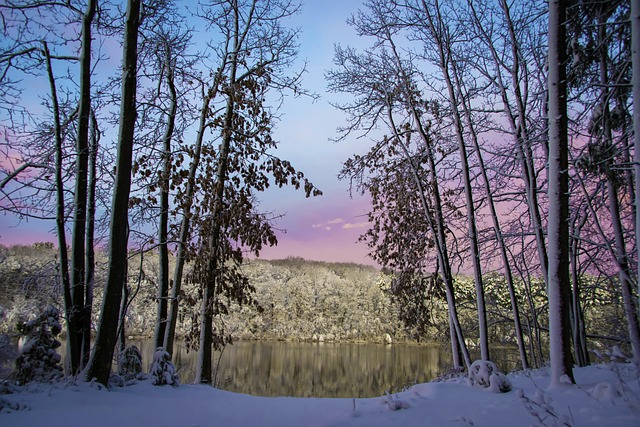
(501, 142)
(200, 174)
(501, 146)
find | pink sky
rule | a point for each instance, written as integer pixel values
(323, 228)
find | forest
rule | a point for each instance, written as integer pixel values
(501, 143)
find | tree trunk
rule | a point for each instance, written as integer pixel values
(80, 201)
(101, 358)
(122, 316)
(203, 369)
(578, 328)
(163, 276)
(559, 285)
(501, 247)
(635, 84)
(624, 272)
(63, 261)
(444, 58)
(620, 251)
(90, 251)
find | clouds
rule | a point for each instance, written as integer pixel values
(350, 225)
(335, 222)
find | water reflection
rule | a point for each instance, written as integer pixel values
(315, 369)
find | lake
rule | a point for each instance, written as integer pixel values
(266, 368)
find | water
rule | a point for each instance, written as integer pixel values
(322, 369)
(265, 368)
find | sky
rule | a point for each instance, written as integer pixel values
(323, 228)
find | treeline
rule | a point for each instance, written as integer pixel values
(302, 300)
(504, 139)
(295, 299)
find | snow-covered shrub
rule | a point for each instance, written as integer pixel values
(484, 373)
(130, 363)
(116, 380)
(7, 406)
(162, 371)
(38, 359)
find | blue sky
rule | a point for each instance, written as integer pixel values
(327, 227)
(323, 228)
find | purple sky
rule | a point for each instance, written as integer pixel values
(323, 228)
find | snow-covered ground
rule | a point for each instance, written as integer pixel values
(605, 395)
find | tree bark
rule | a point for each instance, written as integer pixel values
(444, 58)
(163, 276)
(578, 328)
(89, 280)
(635, 83)
(102, 355)
(77, 312)
(63, 258)
(559, 285)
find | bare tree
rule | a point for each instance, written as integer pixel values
(559, 286)
(433, 29)
(99, 366)
(30, 28)
(635, 83)
(384, 89)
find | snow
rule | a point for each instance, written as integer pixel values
(605, 395)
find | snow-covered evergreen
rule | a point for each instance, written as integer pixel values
(162, 371)
(38, 359)
(130, 363)
(484, 373)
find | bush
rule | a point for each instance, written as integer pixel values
(485, 374)
(130, 363)
(38, 359)
(162, 371)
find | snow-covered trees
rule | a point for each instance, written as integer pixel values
(558, 286)
(250, 56)
(481, 79)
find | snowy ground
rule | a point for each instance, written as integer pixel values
(606, 395)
